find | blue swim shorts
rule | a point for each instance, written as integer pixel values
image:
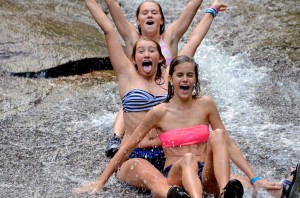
(155, 156)
(200, 169)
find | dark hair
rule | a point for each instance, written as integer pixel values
(176, 61)
(162, 27)
(158, 75)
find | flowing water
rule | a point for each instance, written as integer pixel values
(54, 130)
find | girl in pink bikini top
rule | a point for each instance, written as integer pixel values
(184, 136)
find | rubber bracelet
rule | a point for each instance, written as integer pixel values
(255, 179)
(211, 11)
(215, 9)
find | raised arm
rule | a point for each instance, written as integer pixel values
(150, 121)
(125, 28)
(201, 30)
(116, 53)
(176, 30)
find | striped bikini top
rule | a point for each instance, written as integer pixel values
(137, 100)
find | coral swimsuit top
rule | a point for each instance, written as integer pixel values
(184, 136)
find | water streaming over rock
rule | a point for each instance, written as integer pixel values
(54, 130)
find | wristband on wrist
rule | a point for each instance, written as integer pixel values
(215, 9)
(255, 179)
(211, 11)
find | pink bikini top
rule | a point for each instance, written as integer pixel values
(184, 136)
(165, 52)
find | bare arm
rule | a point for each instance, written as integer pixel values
(200, 31)
(180, 26)
(234, 152)
(126, 29)
(150, 121)
(116, 53)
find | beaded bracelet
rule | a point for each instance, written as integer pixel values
(211, 11)
(255, 179)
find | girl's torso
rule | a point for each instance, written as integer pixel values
(178, 118)
(131, 121)
(136, 103)
(173, 154)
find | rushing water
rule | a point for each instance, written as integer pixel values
(233, 82)
(54, 131)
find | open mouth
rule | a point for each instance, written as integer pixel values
(147, 66)
(150, 22)
(147, 63)
(184, 87)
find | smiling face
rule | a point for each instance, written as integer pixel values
(146, 57)
(150, 18)
(183, 80)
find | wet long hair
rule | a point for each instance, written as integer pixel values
(176, 61)
(158, 76)
(162, 27)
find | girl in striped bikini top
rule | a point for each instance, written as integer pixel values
(137, 100)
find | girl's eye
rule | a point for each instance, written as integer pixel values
(140, 51)
(151, 49)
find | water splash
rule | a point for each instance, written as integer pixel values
(233, 82)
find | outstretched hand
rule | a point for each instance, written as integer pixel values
(265, 184)
(219, 6)
(91, 188)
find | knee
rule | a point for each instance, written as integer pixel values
(129, 167)
(218, 136)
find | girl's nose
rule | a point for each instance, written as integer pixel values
(146, 54)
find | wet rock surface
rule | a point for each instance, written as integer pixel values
(54, 131)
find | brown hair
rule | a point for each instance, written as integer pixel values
(160, 65)
(176, 61)
(162, 27)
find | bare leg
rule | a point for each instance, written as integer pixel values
(142, 174)
(216, 171)
(118, 132)
(119, 126)
(184, 173)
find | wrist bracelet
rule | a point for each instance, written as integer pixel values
(211, 11)
(215, 9)
(255, 179)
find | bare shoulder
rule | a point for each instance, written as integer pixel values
(160, 109)
(205, 99)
